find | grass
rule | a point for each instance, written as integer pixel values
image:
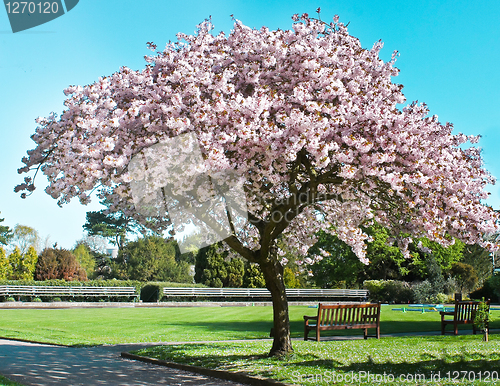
(94, 326)
(6, 382)
(311, 363)
(368, 362)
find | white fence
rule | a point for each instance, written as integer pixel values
(264, 293)
(25, 290)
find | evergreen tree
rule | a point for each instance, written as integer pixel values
(86, 260)
(151, 258)
(5, 233)
(480, 259)
(58, 264)
(253, 277)
(5, 267)
(465, 276)
(216, 268)
(46, 266)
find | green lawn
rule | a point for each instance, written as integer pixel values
(6, 382)
(311, 363)
(126, 325)
(419, 360)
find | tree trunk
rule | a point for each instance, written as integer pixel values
(273, 274)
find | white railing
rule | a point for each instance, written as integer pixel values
(25, 290)
(263, 292)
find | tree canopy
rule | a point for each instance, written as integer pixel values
(5, 233)
(113, 226)
(151, 259)
(307, 117)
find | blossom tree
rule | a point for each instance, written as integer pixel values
(306, 116)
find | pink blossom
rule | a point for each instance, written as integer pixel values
(305, 111)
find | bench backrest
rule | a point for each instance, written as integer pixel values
(466, 310)
(348, 314)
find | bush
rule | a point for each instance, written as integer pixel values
(441, 298)
(389, 291)
(490, 290)
(450, 286)
(36, 300)
(152, 292)
(423, 292)
(58, 264)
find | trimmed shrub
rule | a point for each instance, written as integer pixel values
(152, 292)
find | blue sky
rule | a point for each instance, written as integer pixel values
(449, 59)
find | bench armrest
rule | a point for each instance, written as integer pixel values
(308, 318)
(443, 313)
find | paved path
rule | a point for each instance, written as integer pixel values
(47, 365)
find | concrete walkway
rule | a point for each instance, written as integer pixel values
(47, 365)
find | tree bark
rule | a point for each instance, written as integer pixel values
(273, 274)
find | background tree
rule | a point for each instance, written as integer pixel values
(480, 259)
(215, 268)
(47, 265)
(465, 276)
(387, 261)
(97, 246)
(23, 264)
(253, 277)
(444, 257)
(5, 233)
(5, 267)
(68, 267)
(306, 116)
(337, 266)
(113, 226)
(24, 237)
(59, 264)
(151, 258)
(85, 259)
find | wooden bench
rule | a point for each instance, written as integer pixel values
(464, 313)
(344, 317)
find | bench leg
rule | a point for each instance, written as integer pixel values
(306, 332)
(378, 331)
(455, 327)
(442, 328)
(365, 333)
(317, 334)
